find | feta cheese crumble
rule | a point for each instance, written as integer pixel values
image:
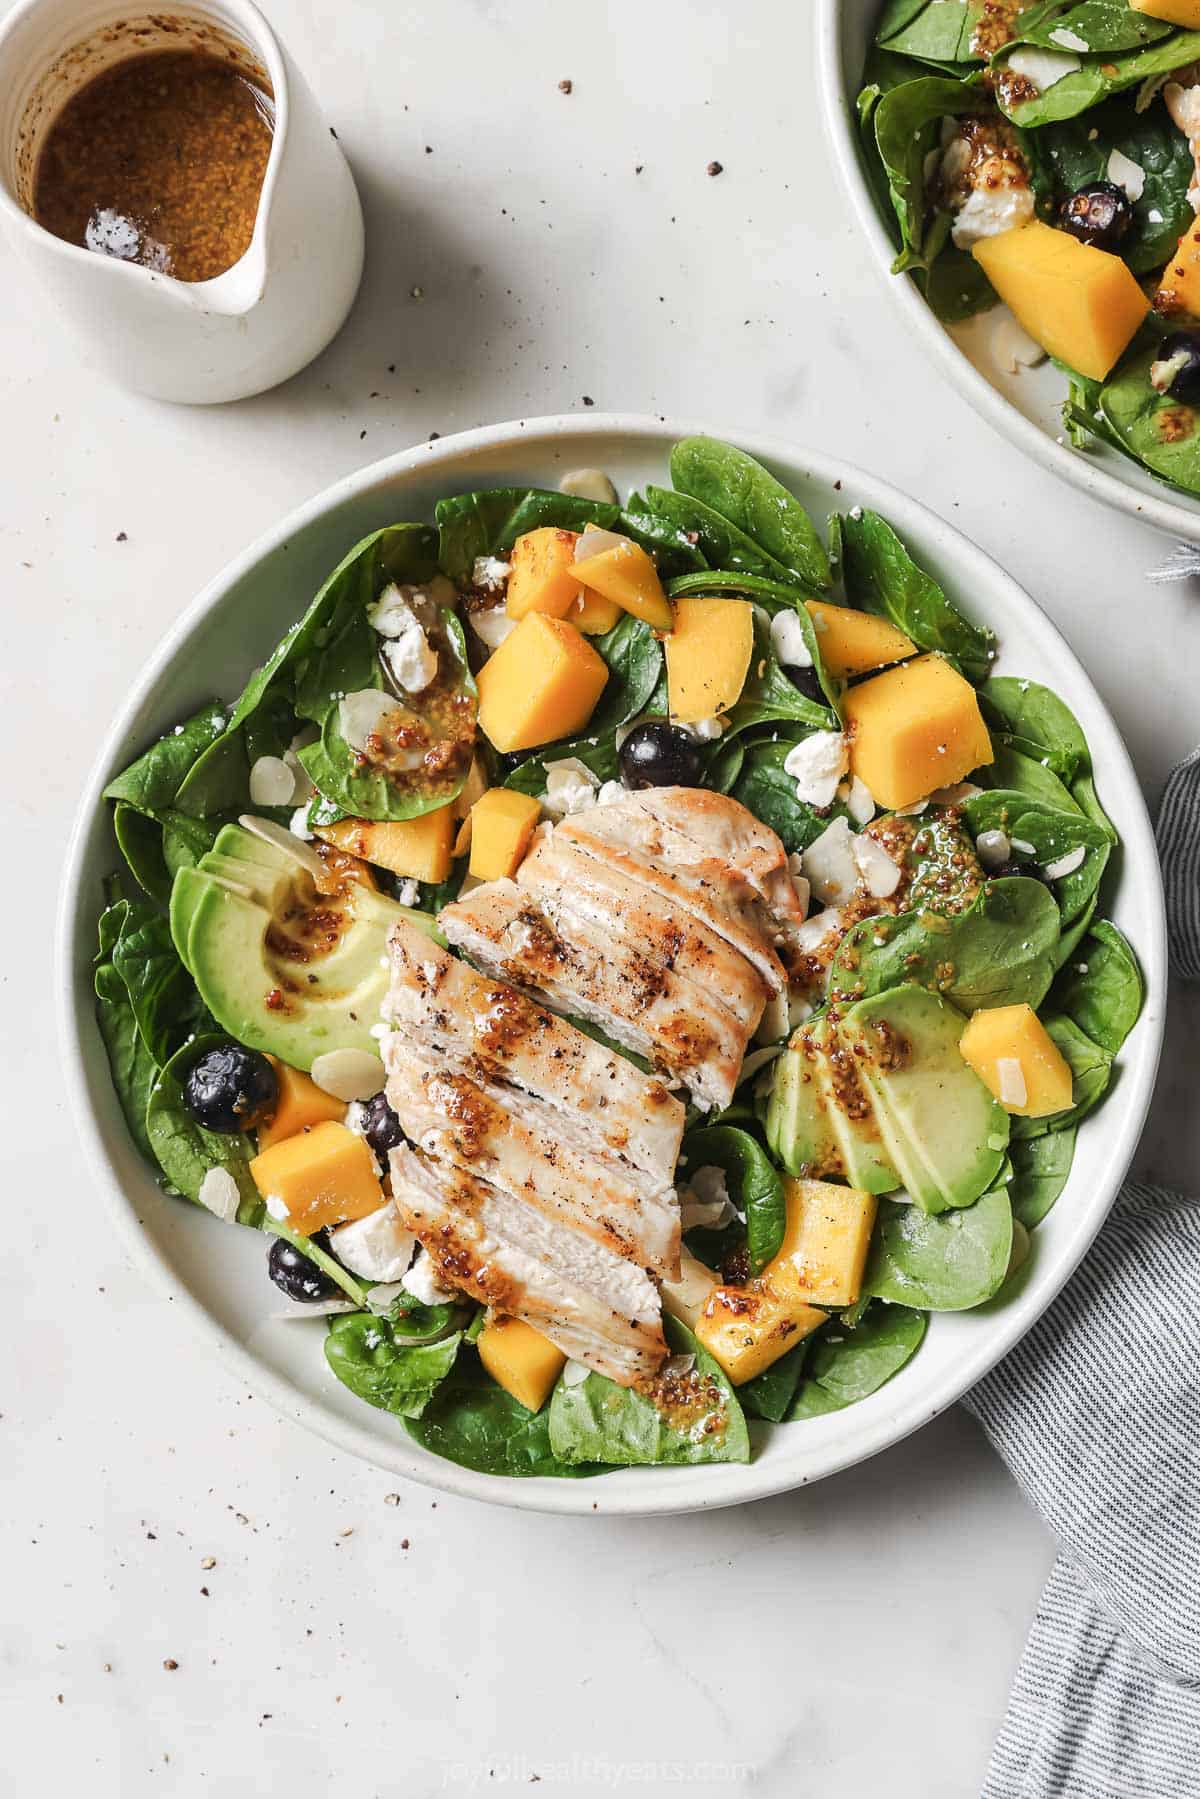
(570, 787)
(788, 640)
(376, 1247)
(817, 764)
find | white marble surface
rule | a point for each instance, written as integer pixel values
(858, 1635)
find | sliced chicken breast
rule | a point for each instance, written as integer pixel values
(706, 889)
(513, 1141)
(584, 970)
(723, 827)
(596, 1306)
(561, 877)
(482, 1026)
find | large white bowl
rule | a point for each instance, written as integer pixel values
(1026, 407)
(216, 1275)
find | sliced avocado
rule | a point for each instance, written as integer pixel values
(944, 1132)
(851, 1114)
(282, 967)
(798, 1129)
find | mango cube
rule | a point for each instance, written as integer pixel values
(825, 1242)
(322, 1176)
(1018, 1061)
(592, 614)
(1082, 305)
(745, 1329)
(502, 822)
(626, 574)
(520, 1360)
(541, 578)
(914, 729)
(301, 1104)
(1175, 12)
(708, 656)
(1180, 290)
(542, 683)
(419, 849)
(853, 643)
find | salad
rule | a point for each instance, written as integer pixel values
(633, 961)
(1046, 153)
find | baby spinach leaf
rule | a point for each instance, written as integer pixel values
(907, 124)
(360, 789)
(339, 655)
(472, 1421)
(1154, 429)
(999, 952)
(770, 1393)
(1102, 989)
(1041, 1166)
(151, 783)
(132, 1066)
(954, 284)
(754, 1185)
(635, 660)
(166, 1006)
(488, 523)
(1076, 152)
(184, 1150)
(140, 840)
(882, 577)
(721, 543)
(1101, 74)
(1021, 773)
(597, 1421)
(1038, 723)
(371, 1357)
(937, 31)
(623, 1427)
(1091, 1072)
(218, 780)
(1050, 834)
(673, 554)
(769, 697)
(1102, 25)
(723, 763)
(185, 839)
(742, 491)
(846, 1365)
(940, 1262)
(600, 756)
(767, 790)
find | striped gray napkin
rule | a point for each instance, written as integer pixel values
(1097, 1414)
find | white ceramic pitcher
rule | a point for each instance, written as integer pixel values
(202, 341)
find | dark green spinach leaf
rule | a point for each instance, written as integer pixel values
(371, 1357)
(846, 1365)
(882, 577)
(940, 1262)
(742, 491)
(755, 1186)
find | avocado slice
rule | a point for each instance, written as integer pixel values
(282, 967)
(945, 1134)
(851, 1114)
(798, 1129)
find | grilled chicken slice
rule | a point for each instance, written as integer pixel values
(562, 878)
(663, 861)
(453, 1015)
(596, 1306)
(514, 1141)
(721, 827)
(582, 969)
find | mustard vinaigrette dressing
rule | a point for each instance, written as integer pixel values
(160, 161)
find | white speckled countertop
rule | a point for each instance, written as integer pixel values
(334, 1637)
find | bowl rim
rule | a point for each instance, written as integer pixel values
(1174, 517)
(656, 1491)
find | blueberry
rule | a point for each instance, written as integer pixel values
(1176, 370)
(1099, 214)
(658, 754)
(296, 1276)
(806, 680)
(230, 1089)
(380, 1126)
